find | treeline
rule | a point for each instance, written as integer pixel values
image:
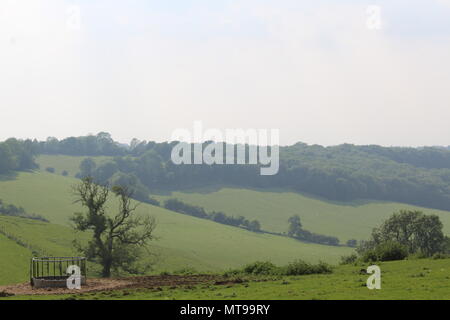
(340, 173)
(426, 157)
(418, 176)
(108, 173)
(349, 172)
(92, 145)
(308, 236)
(216, 216)
(297, 231)
(17, 155)
(102, 144)
(13, 211)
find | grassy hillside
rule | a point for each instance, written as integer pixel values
(43, 238)
(14, 261)
(40, 238)
(352, 220)
(71, 164)
(344, 220)
(43, 193)
(183, 241)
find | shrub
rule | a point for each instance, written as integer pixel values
(437, 256)
(322, 267)
(417, 255)
(300, 267)
(295, 268)
(261, 268)
(50, 169)
(385, 251)
(65, 173)
(350, 259)
(369, 256)
(390, 250)
(232, 273)
(186, 271)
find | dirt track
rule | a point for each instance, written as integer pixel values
(95, 285)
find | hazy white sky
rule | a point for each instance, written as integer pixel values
(143, 68)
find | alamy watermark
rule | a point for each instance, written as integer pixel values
(74, 279)
(374, 21)
(262, 146)
(374, 281)
(73, 18)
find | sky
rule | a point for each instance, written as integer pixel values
(322, 72)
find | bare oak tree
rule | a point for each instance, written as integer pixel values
(117, 240)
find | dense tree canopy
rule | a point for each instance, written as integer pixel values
(414, 230)
(405, 233)
(100, 144)
(17, 155)
(343, 173)
(418, 176)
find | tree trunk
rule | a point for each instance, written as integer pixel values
(106, 272)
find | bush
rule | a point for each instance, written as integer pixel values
(300, 267)
(386, 251)
(65, 173)
(50, 169)
(296, 268)
(389, 251)
(369, 256)
(437, 256)
(232, 273)
(186, 271)
(350, 259)
(322, 267)
(417, 255)
(261, 268)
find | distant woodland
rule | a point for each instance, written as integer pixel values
(418, 176)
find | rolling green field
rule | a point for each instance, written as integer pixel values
(71, 164)
(14, 260)
(183, 241)
(405, 280)
(343, 220)
(353, 220)
(188, 242)
(44, 238)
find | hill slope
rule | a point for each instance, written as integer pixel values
(183, 241)
(14, 261)
(351, 220)
(61, 163)
(345, 220)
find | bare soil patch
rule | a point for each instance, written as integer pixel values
(97, 285)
